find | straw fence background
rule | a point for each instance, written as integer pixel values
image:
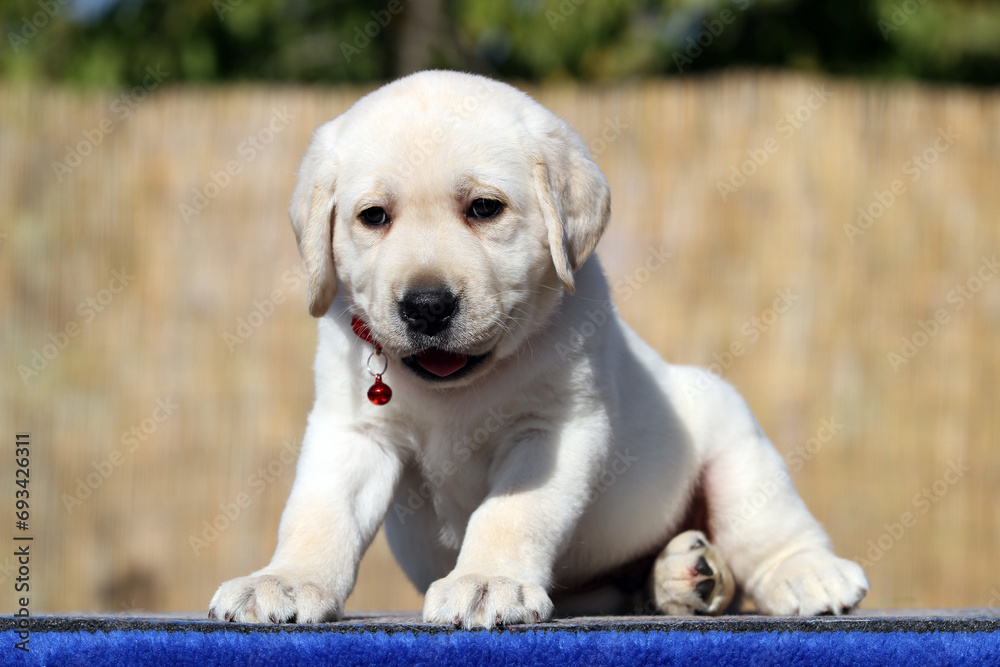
(170, 348)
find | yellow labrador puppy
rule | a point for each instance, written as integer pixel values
(477, 392)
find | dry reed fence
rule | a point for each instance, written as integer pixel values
(172, 376)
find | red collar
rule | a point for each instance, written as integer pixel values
(362, 331)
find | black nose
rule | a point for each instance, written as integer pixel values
(428, 311)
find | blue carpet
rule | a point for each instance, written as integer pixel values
(928, 639)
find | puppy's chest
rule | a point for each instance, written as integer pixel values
(454, 462)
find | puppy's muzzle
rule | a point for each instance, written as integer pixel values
(428, 315)
(428, 312)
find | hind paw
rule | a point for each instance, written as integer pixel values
(690, 577)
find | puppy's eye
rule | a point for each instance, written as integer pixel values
(374, 216)
(484, 209)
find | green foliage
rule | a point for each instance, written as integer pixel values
(197, 41)
(591, 40)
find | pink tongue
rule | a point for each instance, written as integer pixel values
(440, 362)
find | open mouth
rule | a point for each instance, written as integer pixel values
(435, 364)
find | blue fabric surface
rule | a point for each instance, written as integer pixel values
(525, 647)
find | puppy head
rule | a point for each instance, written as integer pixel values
(450, 210)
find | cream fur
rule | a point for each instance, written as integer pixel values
(561, 456)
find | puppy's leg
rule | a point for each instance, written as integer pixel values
(538, 490)
(778, 552)
(690, 577)
(343, 486)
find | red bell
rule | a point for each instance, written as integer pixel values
(379, 393)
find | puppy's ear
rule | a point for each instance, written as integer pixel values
(575, 199)
(312, 210)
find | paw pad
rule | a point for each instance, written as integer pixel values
(690, 577)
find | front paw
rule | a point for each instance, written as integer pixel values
(474, 600)
(274, 598)
(811, 583)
